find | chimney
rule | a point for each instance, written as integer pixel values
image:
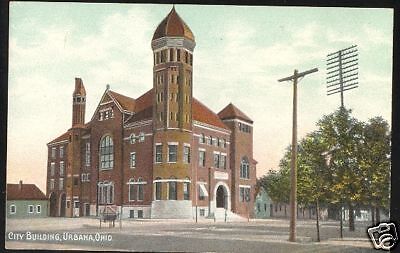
(20, 185)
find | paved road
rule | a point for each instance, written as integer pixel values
(186, 236)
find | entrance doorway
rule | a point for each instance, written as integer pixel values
(221, 197)
(62, 205)
(87, 209)
(53, 204)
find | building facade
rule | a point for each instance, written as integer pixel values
(26, 201)
(161, 155)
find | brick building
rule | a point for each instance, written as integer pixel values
(161, 155)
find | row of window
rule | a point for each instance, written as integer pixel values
(106, 114)
(173, 55)
(54, 152)
(172, 153)
(244, 127)
(209, 140)
(53, 168)
(220, 161)
(31, 209)
(78, 99)
(172, 189)
(160, 116)
(136, 138)
(60, 184)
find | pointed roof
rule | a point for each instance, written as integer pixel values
(203, 114)
(79, 87)
(232, 112)
(24, 192)
(173, 26)
(125, 102)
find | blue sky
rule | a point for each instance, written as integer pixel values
(240, 54)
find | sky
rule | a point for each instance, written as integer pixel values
(240, 54)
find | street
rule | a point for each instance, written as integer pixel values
(269, 235)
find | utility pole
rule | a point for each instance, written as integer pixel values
(293, 166)
(342, 71)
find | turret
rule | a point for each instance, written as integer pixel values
(78, 104)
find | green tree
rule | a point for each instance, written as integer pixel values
(375, 165)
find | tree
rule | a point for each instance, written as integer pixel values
(375, 165)
(342, 134)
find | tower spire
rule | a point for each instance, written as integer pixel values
(78, 103)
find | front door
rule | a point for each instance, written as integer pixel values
(76, 208)
(220, 197)
(87, 209)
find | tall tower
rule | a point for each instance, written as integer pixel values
(74, 159)
(78, 104)
(173, 44)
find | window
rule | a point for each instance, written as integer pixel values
(258, 207)
(244, 194)
(216, 160)
(53, 152)
(265, 207)
(158, 189)
(223, 143)
(30, 209)
(186, 154)
(172, 190)
(244, 127)
(178, 55)
(158, 153)
(209, 140)
(141, 137)
(61, 152)
(52, 168)
(202, 158)
(202, 196)
(61, 184)
(186, 190)
(172, 153)
(244, 168)
(76, 180)
(133, 159)
(202, 139)
(218, 144)
(106, 153)
(51, 184)
(38, 209)
(13, 209)
(191, 59)
(223, 162)
(140, 213)
(132, 190)
(202, 212)
(106, 193)
(131, 213)
(140, 192)
(61, 168)
(85, 177)
(87, 154)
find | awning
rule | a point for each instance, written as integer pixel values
(203, 191)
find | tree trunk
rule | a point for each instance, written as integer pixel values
(373, 216)
(378, 215)
(317, 209)
(341, 222)
(351, 217)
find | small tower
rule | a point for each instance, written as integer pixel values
(78, 104)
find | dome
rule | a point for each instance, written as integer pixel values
(173, 26)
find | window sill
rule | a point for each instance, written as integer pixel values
(106, 168)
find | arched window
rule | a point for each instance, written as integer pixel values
(244, 168)
(132, 189)
(140, 189)
(186, 189)
(158, 189)
(106, 153)
(172, 194)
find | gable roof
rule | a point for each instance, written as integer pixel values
(203, 114)
(24, 192)
(63, 137)
(232, 112)
(125, 102)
